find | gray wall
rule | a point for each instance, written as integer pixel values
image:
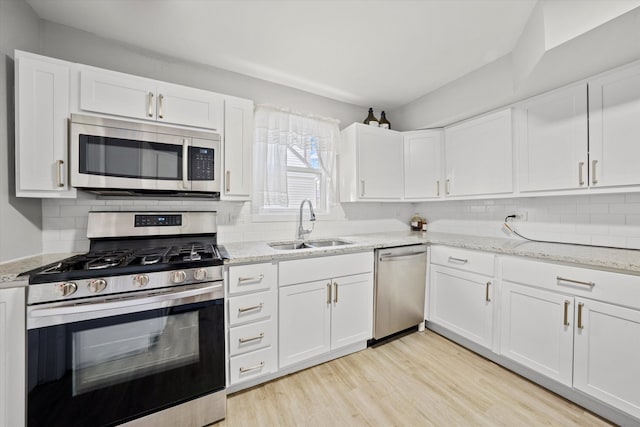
(20, 219)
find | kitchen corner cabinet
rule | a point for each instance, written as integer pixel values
(371, 164)
(238, 146)
(461, 288)
(331, 311)
(422, 164)
(42, 110)
(478, 156)
(552, 139)
(614, 128)
(110, 92)
(12, 357)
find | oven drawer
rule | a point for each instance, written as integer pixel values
(251, 365)
(252, 307)
(251, 277)
(463, 259)
(252, 337)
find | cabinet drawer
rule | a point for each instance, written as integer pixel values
(251, 365)
(311, 269)
(252, 277)
(252, 337)
(252, 307)
(616, 288)
(463, 259)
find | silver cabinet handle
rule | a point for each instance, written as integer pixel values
(160, 113)
(335, 288)
(251, 368)
(329, 293)
(400, 257)
(580, 170)
(577, 282)
(250, 308)
(463, 261)
(362, 188)
(580, 325)
(150, 104)
(257, 337)
(486, 292)
(593, 171)
(566, 312)
(185, 164)
(60, 172)
(251, 279)
(446, 186)
(228, 181)
(437, 188)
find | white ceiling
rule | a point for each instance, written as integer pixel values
(370, 53)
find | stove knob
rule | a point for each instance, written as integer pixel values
(178, 276)
(140, 281)
(97, 285)
(66, 289)
(200, 274)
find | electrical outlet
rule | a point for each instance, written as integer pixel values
(521, 216)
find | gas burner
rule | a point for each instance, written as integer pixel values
(193, 255)
(151, 259)
(100, 264)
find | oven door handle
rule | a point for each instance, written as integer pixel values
(58, 314)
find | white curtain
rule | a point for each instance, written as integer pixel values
(275, 131)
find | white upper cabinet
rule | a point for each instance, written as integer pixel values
(238, 145)
(110, 92)
(551, 134)
(614, 128)
(423, 164)
(371, 164)
(42, 111)
(478, 155)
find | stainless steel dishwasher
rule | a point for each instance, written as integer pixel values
(401, 278)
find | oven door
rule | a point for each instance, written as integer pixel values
(110, 362)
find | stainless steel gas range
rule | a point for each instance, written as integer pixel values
(131, 332)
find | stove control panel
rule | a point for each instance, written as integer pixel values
(141, 280)
(65, 289)
(97, 285)
(178, 276)
(158, 220)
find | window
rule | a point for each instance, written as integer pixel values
(294, 159)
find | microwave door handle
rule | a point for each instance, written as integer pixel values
(185, 164)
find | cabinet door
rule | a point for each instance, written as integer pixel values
(614, 128)
(189, 106)
(42, 111)
(352, 310)
(607, 350)
(304, 323)
(379, 163)
(478, 156)
(12, 357)
(422, 164)
(109, 92)
(238, 145)
(537, 330)
(461, 302)
(553, 141)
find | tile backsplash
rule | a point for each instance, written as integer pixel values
(608, 220)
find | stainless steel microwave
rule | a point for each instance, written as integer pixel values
(118, 157)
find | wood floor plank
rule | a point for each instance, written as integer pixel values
(420, 379)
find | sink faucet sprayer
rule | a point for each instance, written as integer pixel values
(301, 231)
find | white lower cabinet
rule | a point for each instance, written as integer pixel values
(537, 330)
(12, 357)
(606, 354)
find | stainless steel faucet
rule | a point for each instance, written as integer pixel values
(301, 231)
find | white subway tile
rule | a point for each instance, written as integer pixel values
(64, 223)
(66, 211)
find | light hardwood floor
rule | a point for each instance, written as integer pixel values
(421, 379)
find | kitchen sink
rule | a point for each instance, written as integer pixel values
(309, 244)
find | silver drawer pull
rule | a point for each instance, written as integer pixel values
(253, 307)
(251, 279)
(577, 282)
(452, 259)
(257, 337)
(252, 368)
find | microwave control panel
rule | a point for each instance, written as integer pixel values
(201, 164)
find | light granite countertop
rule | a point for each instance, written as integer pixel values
(622, 260)
(9, 271)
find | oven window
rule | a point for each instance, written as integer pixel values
(114, 354)
(129, 158)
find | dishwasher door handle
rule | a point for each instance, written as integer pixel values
(401, 257)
